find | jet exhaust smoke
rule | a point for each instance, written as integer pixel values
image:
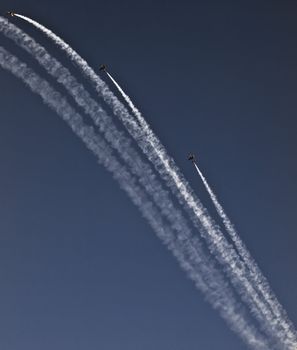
(112, 135)
(166, 167)
(204, 276)
(259, 281)
(274, 322)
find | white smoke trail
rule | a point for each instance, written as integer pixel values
(259, 280)
(205, 277)
(151, 146)
(128, 100)
(112, 135)
(105, 124)
(279, 322)
(116, 139)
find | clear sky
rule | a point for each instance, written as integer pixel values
(79, 267)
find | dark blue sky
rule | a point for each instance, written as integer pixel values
(79, 268)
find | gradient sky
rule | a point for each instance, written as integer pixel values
(79, 268)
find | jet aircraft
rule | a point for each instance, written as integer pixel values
(192, 158)
(102, 67)
(9, 13)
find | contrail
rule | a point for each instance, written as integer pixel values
(166, 167)
(117, 140)
(128, 100)
(282, 321)
(112, 135)
(259, 280)
(204, 276)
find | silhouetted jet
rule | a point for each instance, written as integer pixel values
(9, 13)
(192, 158)
(103, 67)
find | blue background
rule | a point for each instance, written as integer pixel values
(79, 267)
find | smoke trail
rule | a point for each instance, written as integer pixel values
(112, 135)
(259, 280)
(281, 324)
(155, 151)
(116, 139)
(204, 276)
(128, 100)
